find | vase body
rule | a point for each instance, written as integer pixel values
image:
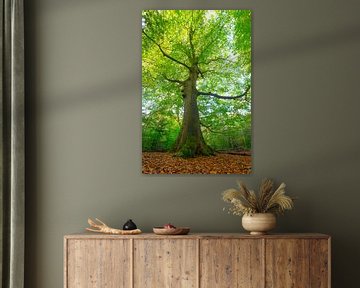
(129, 225)
(259, 223)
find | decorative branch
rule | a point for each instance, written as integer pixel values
(163, 52)
(101, 227)
(225, 97)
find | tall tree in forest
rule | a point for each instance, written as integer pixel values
(196, 53)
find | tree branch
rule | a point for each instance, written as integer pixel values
(216, 72)
(214, 60)
(172, 80)
(163, 52)
(201, 72)
(225, 97)
(209, 128)
(191, 34)
(219, 26)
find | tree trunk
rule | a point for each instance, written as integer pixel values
(190, 141)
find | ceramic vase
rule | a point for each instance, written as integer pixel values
(259, 223)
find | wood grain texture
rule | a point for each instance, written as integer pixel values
(319, 263)
(88, 235)
(231, 263)
(98, 264)
(166, 263)
(287, 263)
(197, 260)
(66, 262)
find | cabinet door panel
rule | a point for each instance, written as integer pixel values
(319, 263)
(98, 264)
(166, 263)
(287, 263)
(231, 263)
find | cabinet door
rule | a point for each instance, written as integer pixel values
(165, 263)
(320, 263)
(231, 263)
(98, 263)
(287, 263)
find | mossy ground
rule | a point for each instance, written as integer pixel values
(193, 148)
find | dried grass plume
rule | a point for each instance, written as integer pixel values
(267, 200)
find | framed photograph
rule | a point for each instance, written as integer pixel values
(196, 92)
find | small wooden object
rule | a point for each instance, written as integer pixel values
(171, 231)
(101, 227)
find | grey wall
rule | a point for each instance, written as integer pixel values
(83, 126)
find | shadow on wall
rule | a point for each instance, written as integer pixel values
(94, 95)
(121, 88)
(309, 45)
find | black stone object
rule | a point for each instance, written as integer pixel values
(129, 225)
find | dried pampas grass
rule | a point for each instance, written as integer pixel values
(245, 201)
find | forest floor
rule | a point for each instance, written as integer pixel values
(222, 163)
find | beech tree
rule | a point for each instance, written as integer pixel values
(195, 58)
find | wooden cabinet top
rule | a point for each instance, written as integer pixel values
(199, 236)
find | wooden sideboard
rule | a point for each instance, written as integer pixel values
(197, 260)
